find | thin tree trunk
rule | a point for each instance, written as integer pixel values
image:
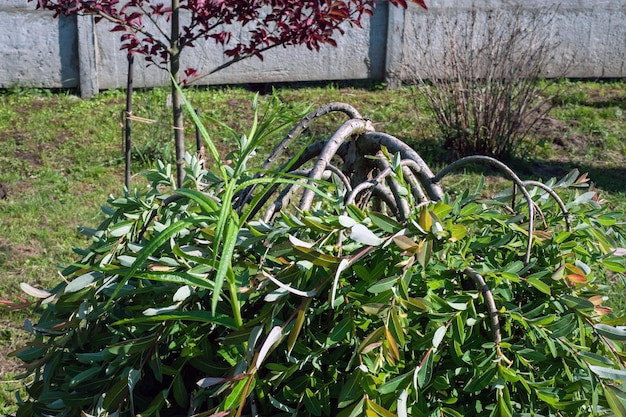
(177, 110)
(127, 132)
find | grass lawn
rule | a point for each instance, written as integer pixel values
(62, 156)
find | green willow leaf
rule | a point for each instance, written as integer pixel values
(385, 223)
(539, 284)
(611, 332)
(609, 373)
(616, 399)
(193, 316)
(154, 244)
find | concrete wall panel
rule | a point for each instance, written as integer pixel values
(37, 50)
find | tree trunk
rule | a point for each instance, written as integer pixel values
(177, 109)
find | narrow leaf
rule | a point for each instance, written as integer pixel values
(274, 336)
(438, 336)
(361, 234)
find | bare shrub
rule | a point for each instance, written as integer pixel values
(482, 76)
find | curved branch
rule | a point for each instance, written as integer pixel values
(305, 122)
(350, 199)
(489, 300)
(371, 142)
(491, 308)
(287, 193)
(302, 125)
(341, 176)
(311, 151)
(378, 189)
(401, 202)
(556, 197)
(350, 128)
(418, 191)
(504, 168)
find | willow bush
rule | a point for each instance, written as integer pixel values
(311, 289)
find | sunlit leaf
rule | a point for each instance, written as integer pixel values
(539, 284)
(609, 373)
(611, 332)
(272, 338)
(385, 223)
(438, 336)
(361, 234)
(34, 292)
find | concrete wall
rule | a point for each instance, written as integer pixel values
(37, 50)
(589, 38)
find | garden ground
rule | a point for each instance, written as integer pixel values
(61, 157)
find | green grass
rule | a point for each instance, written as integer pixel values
(61, 157)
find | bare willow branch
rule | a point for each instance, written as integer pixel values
(556, 197)
(348, 129)
(371, 142)
(394, 186)
(490, 302)
(416, 187)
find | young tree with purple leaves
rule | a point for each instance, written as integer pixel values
(268, 23)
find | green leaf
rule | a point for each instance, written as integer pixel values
(610, 332)
(154, 244)
(318, 258)
(396, 384)
(206, 203)
(377, 409)
(115, 395)
(225, 262)
(132, 346)
(122, 228)
(396, 328)
(82, 281)
(576, 303)
(423, 374)
(312, 403)
(295, 330)
(339, 332)
(614, 266)
(469, 209)
(482, 379)
(181, 277)
(194, 316)
(235, 396)
(383, 285)
(84, 376)
(616, 399)
(439, 335)
(385, 223)
(539, 284)
(609, 373)
(180, 392)
(351, 390)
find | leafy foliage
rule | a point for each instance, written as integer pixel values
(186, 305)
